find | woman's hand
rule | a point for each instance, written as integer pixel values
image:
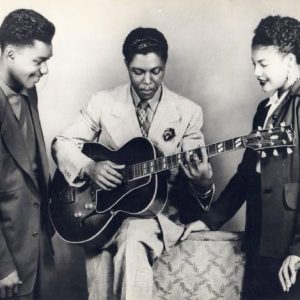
(288, 271)
(192, 227)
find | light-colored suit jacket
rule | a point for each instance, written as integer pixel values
(110, 118)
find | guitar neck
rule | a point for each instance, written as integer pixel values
(160, 164)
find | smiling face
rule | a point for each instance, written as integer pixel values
(146, 72)
(27, 64)
(271, 67)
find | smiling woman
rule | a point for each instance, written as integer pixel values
(270, 185)
(275, 64)
(271, 68)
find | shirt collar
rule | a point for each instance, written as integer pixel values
(274, 99)
(152, 102)
(8, 92)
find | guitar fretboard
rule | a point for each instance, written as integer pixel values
(160, 164)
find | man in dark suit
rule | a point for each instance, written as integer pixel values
(26, 257)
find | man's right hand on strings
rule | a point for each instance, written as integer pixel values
(105, 174)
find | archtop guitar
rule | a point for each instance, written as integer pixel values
(90, 216)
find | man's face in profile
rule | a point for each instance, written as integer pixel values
(28, 64)
(146, 72)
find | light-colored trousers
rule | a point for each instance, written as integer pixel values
(123, 269)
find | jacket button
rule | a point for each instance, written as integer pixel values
(35, 234)
(268, 191)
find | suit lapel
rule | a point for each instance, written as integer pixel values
(124, 123)
(39, 135)
(261, 114)
(13, 139)
(277, 116)
(166, 116)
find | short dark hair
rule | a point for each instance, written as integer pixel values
(282, 32)
(145, 40)
(22, 26)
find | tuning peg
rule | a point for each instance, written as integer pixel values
(275, 152)
(289, 150)
(263, 154)
(282, 124)
(270, 128)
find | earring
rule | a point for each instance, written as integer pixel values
(288, 73)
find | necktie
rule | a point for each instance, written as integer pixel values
(142, 113)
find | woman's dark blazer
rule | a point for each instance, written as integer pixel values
(272, 211)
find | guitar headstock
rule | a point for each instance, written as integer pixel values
(282, 136)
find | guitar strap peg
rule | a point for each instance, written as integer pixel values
(263, 154)
(289, 150)
(282, 124)
(271, 126)
(259, 128)
(275, 152)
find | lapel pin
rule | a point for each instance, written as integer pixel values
(169, 134)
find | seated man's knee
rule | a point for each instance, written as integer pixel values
(134, 230)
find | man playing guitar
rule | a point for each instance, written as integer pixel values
(144, 107)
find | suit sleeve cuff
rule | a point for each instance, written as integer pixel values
(81, 177)
(204, 198)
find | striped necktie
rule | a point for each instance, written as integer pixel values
(142, 113)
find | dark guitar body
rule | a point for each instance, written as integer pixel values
(89, 216)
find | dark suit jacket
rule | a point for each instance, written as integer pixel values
(272, 217)
(22, 202)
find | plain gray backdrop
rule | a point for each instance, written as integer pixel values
(209, 62)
